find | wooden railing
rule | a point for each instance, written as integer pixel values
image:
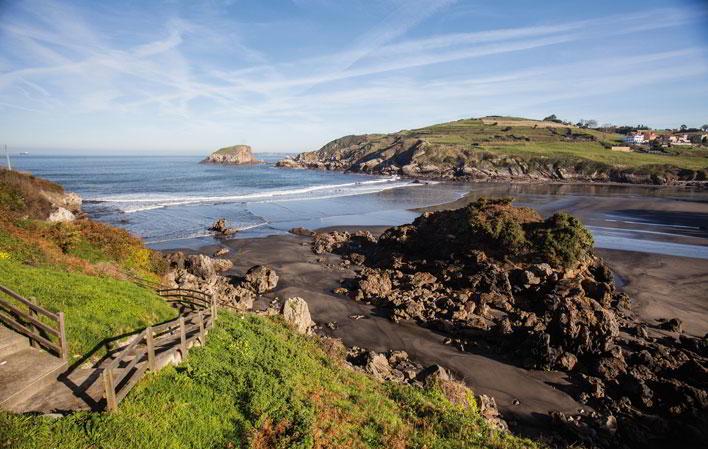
(42, 327)
(165, 339)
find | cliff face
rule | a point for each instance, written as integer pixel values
(483, 150)
(235, 155)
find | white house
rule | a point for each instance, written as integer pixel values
(634, 138)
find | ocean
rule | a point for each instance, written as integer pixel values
(171, 201)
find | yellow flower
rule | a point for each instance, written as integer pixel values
(4, 255)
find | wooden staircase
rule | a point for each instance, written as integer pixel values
(34, 380)
(23, 369)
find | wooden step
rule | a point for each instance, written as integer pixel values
(24, 373)
(11, 342)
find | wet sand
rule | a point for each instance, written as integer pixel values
(664, 286)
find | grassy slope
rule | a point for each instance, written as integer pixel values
(74, 267)
(257, 384)
(95, 308)
(475, 136)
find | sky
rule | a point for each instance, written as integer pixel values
(188, 77)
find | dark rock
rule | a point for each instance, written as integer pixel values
(302, 232)
(261, 278)
(673, 325)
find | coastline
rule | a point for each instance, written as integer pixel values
(661, 287)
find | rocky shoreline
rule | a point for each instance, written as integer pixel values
(647, 382)
(416, 158)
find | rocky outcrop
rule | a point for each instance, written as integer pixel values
(235, 155)
(61, 215)
(219, 227)
(203, 273)
(261, 278)
(416, 154)
(502, 280)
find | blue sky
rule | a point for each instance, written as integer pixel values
(176, 77)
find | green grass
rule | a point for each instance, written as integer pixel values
(94, 307)
(258, 384)
(597, 153)
(227, 150)
(464, 138)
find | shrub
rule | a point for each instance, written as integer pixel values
(561, 240)
(498, 226)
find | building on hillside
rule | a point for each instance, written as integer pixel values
(649, 136)
(634, 138)
(680, 140)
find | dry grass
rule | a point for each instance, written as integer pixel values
(21, 193)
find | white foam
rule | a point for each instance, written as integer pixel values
(140, 202)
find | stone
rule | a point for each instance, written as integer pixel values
(375, 284)
(222, 265)
(296, 313)
(201, 266)
(433, 374)
(261, 278)
(221, 252)
(61, 215)
(488, 409)
(673, 325)
(302, 232)
(377, 365)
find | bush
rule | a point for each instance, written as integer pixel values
(561, 240)
(498, 226)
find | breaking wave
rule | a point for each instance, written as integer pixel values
(132, 203)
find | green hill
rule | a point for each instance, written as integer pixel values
(506, 148)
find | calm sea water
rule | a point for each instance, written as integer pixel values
(172, 200)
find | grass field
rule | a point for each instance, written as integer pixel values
(257, 384)
(518, 137)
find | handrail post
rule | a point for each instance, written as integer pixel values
(150, 349)
(200, 318)
(62, 337)
(182, 337)
(111, 403)
(33, 314)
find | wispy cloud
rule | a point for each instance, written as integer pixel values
(56, 59)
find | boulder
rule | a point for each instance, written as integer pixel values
(488, 409)
(201, 266)
(673, 325)
(433, 374)
(375, 284)
(221, 252)
(296, 313)
(222, 265)
(377, 365)
(61, 214)
(261, 278)
(302, 231)
(219, 226)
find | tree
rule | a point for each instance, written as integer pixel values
(552, 118)
(684, 127)
(704, 127)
